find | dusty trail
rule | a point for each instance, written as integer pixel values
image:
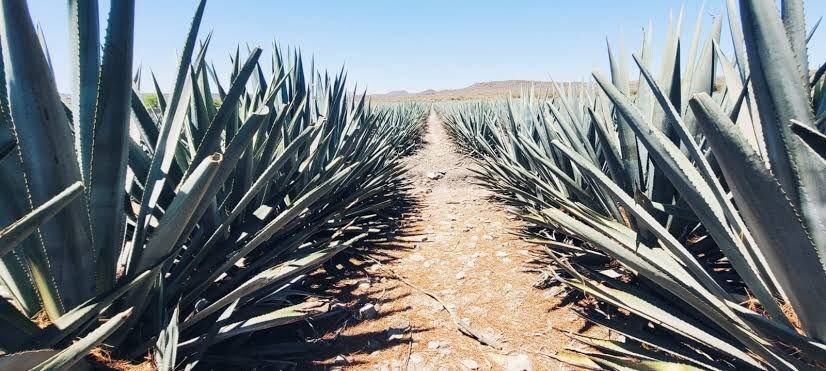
(459, 246)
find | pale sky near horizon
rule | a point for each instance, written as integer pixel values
(408, 45)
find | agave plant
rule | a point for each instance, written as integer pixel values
(407, 119)
(188, 232)
(690, 206)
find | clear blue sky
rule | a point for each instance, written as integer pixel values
(410, 45)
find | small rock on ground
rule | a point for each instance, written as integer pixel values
(368, 311)
(435, 175)
(519, 362)
(470, 364)
(436, 344)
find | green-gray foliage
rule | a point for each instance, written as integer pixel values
(693, 208)
(187, 233)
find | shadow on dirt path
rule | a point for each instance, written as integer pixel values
(459, 246)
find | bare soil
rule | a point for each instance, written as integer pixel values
(459, 245)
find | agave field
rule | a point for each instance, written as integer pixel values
(678, 201)
(190, 232)
(688, 210)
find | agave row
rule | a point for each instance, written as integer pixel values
(171, 233)
(690, 205)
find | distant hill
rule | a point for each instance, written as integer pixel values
(479, 90)
(398, 92)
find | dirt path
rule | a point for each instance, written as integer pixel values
(460, 247)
